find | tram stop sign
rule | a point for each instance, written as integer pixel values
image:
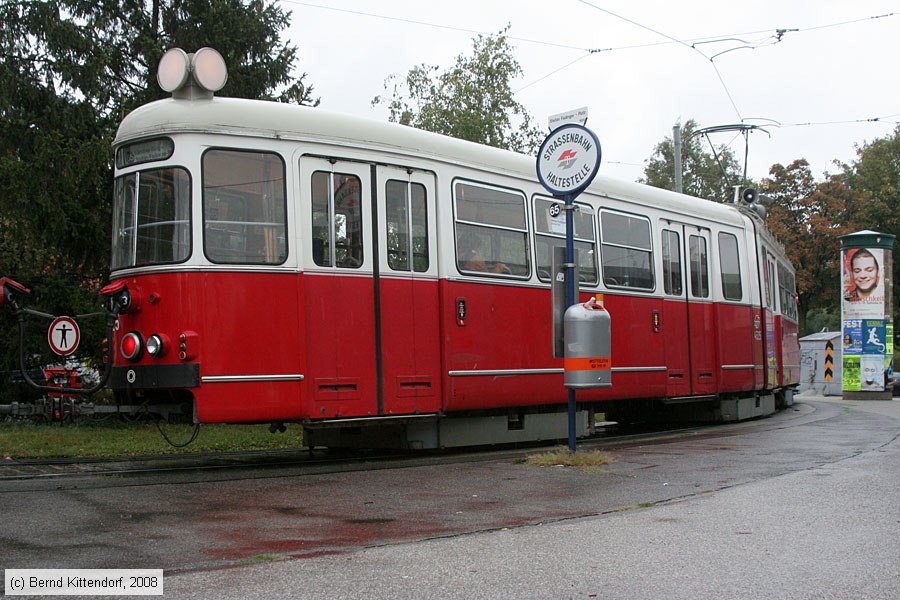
(63, 336)
(568, 160)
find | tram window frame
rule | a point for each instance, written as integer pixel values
(787, 291)
(550, 232)
(699, 257)
(335, 242)
(771, 282)
(141, 212)
(490, 240)
(239, 243)
(407, 200)
(622, 240)
(673, 278)
(730, 267)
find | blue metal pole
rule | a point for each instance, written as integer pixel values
(570, 298)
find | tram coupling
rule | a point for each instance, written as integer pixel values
(63, 338)
(64, 387)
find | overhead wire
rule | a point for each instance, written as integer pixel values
(552, 73)
(778, 36)
(881, 119)
(677, 41)
(691, 43)
(427, 24)
(670, 39)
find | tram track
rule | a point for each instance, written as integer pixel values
(163, 464)
(317, 461)
(287, 463)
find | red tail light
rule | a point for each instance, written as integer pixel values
(132, 346)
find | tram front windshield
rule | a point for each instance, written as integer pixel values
(151, 218)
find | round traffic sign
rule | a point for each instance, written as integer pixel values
(568, 160)
(63, 335)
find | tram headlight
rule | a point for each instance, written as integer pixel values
(173, 70)
(157, 345)
(209, 69)
(205, 66)
(132, 346)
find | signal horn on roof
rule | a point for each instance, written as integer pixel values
(749, 195)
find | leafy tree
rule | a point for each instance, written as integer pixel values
(808, 217)
(876, 176)
(875, 179)
(701, 174)
(473, 100)
(823, 319)
(69, 71)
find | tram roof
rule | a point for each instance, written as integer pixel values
(274, 120)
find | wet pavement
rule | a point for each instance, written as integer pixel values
(804, 504)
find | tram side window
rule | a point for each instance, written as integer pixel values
(626, 251)
(406, 211)
(699, 267)
(491, 231)
(671, 255)
(244, 209)
(151, 218)
(730, 267)
(337, 232)
(787, 292)
(770, 281)
(550, 232)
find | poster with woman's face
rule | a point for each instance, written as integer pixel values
(863, 283)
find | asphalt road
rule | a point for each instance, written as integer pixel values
(804, 504)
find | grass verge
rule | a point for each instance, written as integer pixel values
(20, 439)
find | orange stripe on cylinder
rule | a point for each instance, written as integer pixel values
(592, 363)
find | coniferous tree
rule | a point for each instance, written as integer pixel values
(69, 71)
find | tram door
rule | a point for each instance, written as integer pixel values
(688, 318)
(334, 221)
(407, 291)
(674, 324)
(700, 312)
(770, 337)
(369, 289)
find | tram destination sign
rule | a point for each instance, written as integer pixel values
(568, 160)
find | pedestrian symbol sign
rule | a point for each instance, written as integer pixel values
(63, 336)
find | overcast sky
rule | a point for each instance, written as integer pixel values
(822, 83)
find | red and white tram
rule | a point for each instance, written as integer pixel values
(277, 263)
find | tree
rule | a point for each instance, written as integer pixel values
(875, 179)
(808, 217)
(70, 70)
(473, 100)
(701, 174)
(876, 176)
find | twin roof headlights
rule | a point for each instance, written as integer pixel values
(206, 66)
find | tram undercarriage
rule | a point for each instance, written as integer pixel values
(425, 432)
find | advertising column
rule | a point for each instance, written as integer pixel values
(866, 314)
